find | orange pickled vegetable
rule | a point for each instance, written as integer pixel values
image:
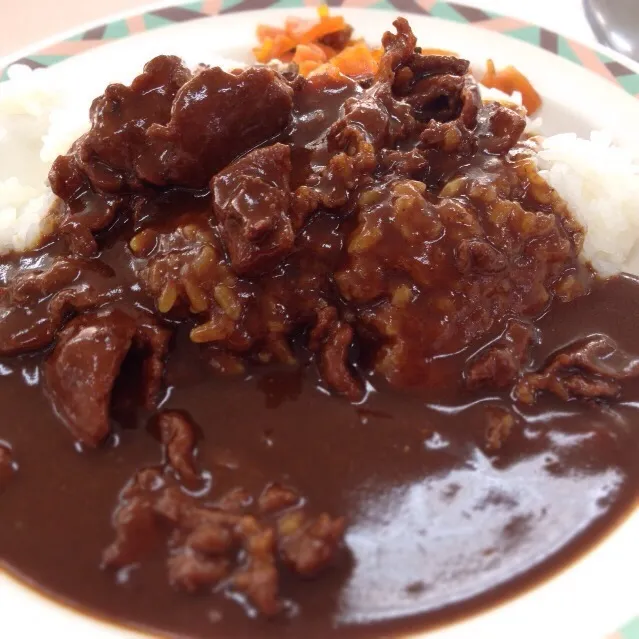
(322, 28)
(300, 41)
(355, 60)
(308, 57)
(510, 80)
(273, 47)
(277, 43)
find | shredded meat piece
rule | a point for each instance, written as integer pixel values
(347, 157)
(332, 338)
(326, 317)
(55, 292)
(434, 86)
(308, 545)
(448, 137)
(416, 67)
(408, 164)
(152, 340)
(334, 361)
(84, 216)
(398, 49)
(134, 521)
(210, 539)
(258, 577)
(31, 286)
(192, 572)
(81, 370)
(499, 364)
(222, 545)
(178, 436)
(42, 331)
(589, 369)
(276, 497)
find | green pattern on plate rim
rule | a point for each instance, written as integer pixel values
(564, 47)
(576, 52)
(630, 630)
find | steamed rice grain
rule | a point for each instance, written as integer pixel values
(600, 183)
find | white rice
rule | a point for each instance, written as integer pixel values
(39, 120)
(600, 183)
(40, 117)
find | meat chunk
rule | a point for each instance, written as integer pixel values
(499, 128)
(178, 436)
(251, 202)
(170, 128)
(35, 303)
(32, 286)
(82, 369)
(111, 152)
(216, 117)
(499, 364)
(589, 369)
(41, 330)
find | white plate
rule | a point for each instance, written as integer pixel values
(596, 594)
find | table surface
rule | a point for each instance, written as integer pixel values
(25, 22)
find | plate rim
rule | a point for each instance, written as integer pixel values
(258, 5)
(620, 69)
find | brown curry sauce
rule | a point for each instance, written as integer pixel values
(386, 240)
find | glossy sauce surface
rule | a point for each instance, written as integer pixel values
(436, 524)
